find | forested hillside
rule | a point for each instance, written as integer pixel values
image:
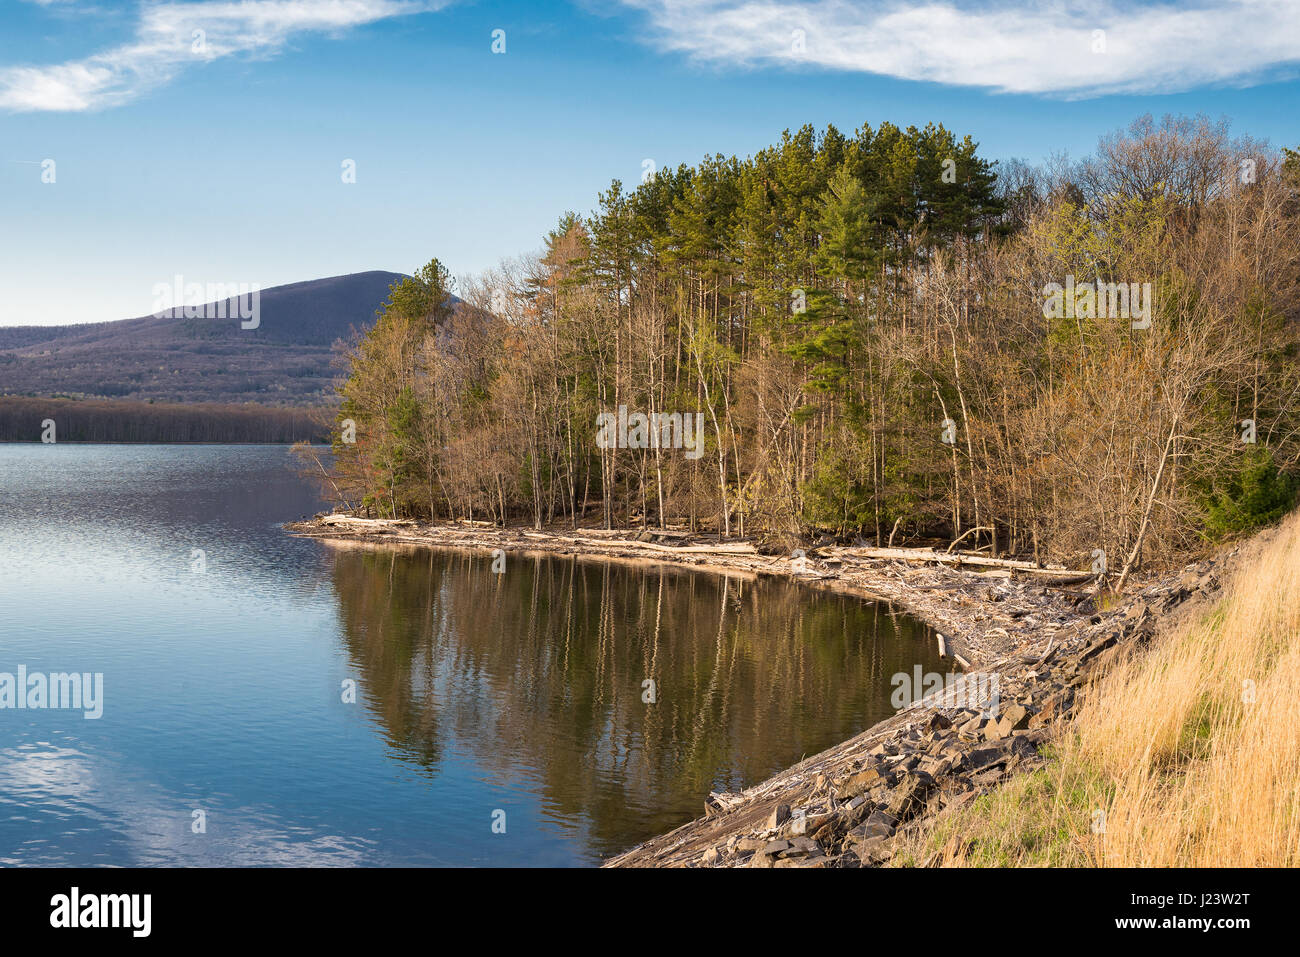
(886, 336)
(25, 419)
(287, 358)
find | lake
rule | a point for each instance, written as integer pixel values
(271, 700)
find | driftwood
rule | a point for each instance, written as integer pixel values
(969, 531)
(737, 548)
(376, 523)
(950, 558)
(1064, 580)
(722, 548)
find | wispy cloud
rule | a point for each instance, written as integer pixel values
(1005, 45)
(172, 36)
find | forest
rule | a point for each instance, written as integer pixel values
(890, 339)
(26, 419)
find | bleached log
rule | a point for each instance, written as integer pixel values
(722, 548)
(338, 519)
(948, 558)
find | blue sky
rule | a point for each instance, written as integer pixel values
(223, 163)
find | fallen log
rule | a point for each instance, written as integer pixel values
(722, 548)
(338, 519)
(1064, 580)
(949, 558)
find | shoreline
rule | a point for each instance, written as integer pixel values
(1033, 642)
(984, 614)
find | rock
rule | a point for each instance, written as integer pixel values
(880, 824)
(939, 745)
(873, 851)
(1014, 718)
(710, 857)
(1055, 706)
(1024, 743)
(995, 730)
(862, 781)
(1018, 715)
(982, 758)
(829, 832)
(809, 824)
(1097, 646)
(907, 797)
(858, 814)
(1037, 736)
(989, 778)
(938, 722)
(780, 814)
(936, 767)
(801, 846)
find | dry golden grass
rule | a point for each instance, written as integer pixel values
(1191, 749)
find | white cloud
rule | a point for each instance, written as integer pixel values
(1002, 45)
(165, 43)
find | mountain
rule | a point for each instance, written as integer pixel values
(287, 359)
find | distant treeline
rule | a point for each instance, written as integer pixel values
(25, 419)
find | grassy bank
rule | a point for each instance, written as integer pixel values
(1186, 754)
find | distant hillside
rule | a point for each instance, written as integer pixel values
(286, 360)
(24, 419)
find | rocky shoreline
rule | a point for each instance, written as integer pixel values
(1027, 644)
(843, 807)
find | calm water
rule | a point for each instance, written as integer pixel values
(476, 693)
